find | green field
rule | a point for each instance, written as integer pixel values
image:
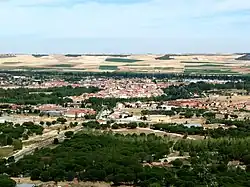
(5, 151)
(212, 65)
(164, 68)
(122, 60)
(103, 67)
(61, 66)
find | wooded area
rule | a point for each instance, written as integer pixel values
(129, 160)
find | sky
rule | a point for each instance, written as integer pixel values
(124, 26)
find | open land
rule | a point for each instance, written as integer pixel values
(193, 63)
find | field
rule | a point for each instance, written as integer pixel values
(5, 151)
(191, 64)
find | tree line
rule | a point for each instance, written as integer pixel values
(130, 160)
(34, 96)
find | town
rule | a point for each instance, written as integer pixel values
(40, 111)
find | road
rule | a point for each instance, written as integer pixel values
(99, 115)
(45, 142)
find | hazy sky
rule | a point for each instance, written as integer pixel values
(124, 26)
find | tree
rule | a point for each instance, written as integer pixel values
(53, 122)
(115, 126)
(41, 122)
(132, 125)
(5, 181)
(246, 159)
(56, 141)
(48, 123)
(9, 140)
(25, 137)
(69, 134)
(45, 176)
(17, 144)
(177, 163)
(61, 120)
(11, 159)
(35, 174)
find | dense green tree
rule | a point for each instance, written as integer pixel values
(17, 144)
(5, 181)
(55, 141)
(69, 134)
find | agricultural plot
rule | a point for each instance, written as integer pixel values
(10, 63)
(5, 151)
(123, 60)
(105, 67)
(62, 66)
(169, 63)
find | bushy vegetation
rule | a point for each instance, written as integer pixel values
(10, 132)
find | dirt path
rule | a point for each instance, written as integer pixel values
(148, 130)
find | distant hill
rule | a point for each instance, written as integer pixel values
(245, 57)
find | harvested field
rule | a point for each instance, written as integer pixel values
(200, 64)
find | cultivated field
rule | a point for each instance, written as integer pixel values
(197, 64)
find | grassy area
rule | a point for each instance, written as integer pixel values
(103, 67)
(122, 60)
(5, 151)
